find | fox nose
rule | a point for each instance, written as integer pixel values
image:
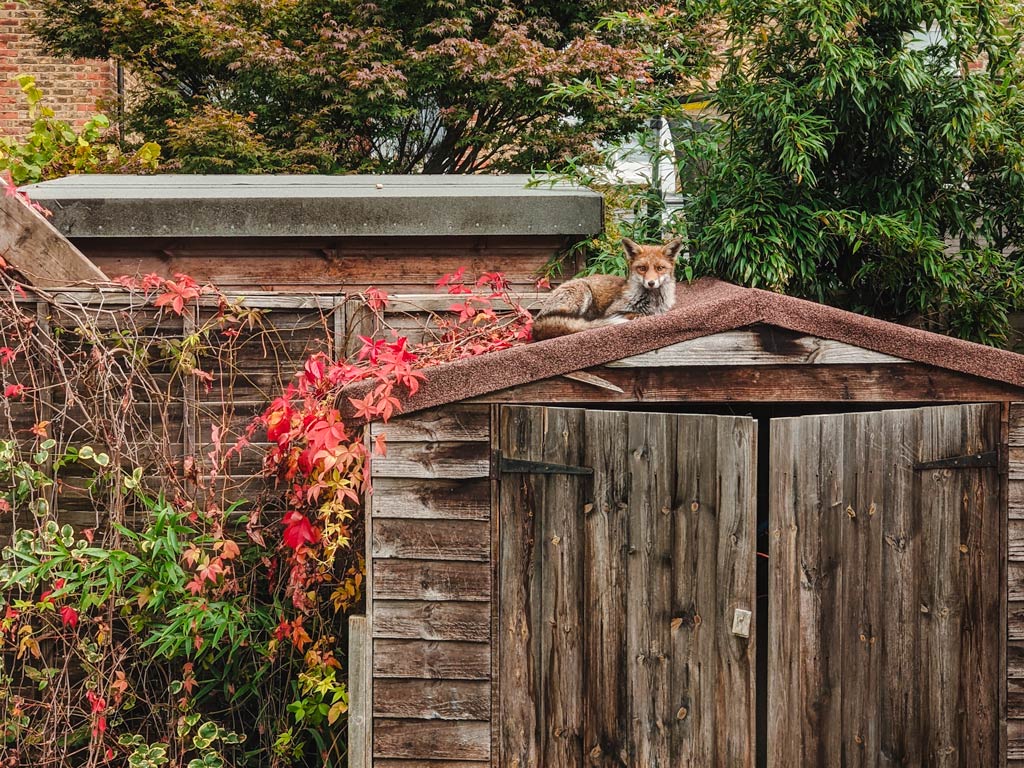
(651, 283)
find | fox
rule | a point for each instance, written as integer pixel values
(599, 300)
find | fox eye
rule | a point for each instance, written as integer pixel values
(661, 268)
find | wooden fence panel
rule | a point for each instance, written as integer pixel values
(884, 616)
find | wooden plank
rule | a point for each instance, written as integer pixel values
(358, 691)
(445, 739)
(431, 660)
(432, 700)
(757, 345)
(561, 609)
(430, 580)
(431, 539)
(650, 449)
(431, 499)
(434, 460)
(1016, 424)
(1015, 698)
(34, 247)
(1015, 659)
(431, 620)
(452, 423)
(1015, 541)
(379, 763)
(1015, 620)
(521, 715)
(606, 587)
(903, 383)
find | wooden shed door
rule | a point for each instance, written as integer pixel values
(626, 546)
(884, 621)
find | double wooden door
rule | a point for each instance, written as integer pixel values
(627, 589)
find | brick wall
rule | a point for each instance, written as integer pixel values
(71, 87)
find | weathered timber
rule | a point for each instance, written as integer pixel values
(897, 383)
(431, 499)
(446, 739)
(451, 423)
(432, 699)
(431, 539)
(359, 644)
(34, 247)
(652, 553)
(757, 345)
(431, 620)
(430, 580)
(869, 659)
(395, 264)
(431, 660)
(430, 460)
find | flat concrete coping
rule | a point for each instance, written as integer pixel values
(175, 205)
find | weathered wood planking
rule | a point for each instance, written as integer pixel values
(896, 383)
(431, 580)
(465, 423)
(445, 739)
(359, 645)
(433, 699)
(430, 620)
(652, 554)
(395, 264)
(431, 660)
(431, 539)
(1015, 587)
(757, 345)
(913, 676)
(431, 499)
(430, 764)
(430, 460)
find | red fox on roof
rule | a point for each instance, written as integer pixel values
(591, 302)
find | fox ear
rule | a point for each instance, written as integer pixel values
(673, 247)
(632, 249)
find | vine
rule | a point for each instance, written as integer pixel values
(154, 609)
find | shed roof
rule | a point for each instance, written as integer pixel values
(706, 307)
(177, 205)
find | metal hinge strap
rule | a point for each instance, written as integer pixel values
(540, 467)
(983, 459)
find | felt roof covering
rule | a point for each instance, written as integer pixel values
(704, 307)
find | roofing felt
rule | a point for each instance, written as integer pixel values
(702, 308)
(178, 205)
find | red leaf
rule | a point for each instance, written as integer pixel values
(298, 531)
(69, 616)
(15, 390)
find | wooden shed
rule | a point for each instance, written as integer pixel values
(753, 531)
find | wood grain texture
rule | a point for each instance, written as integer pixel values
(757, 345)
(450, 423)
(444, 739)
(34, 247)
(431, 660)
(896, 383)
(430, 580)
(884, 617)
(665, 554)
(431, 620)
(432, 699)
(433, 460)
(358, 692)
(431, 539)
(432, 499)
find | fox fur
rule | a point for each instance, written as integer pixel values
(598, 300)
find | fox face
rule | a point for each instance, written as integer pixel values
(652, 266)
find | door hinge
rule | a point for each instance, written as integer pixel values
(971, 460)
(506, 464)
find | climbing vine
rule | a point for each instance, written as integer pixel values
(155, 609)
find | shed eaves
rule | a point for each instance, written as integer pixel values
(705, 307)
(179, 205)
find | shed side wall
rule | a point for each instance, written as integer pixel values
(1015, 590)
(430, 552)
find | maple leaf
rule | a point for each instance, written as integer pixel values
(69, 616)
(230, 549)
(7, 355)
(177, 293)
(39, 429)
(365, 408)
(380, 445)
